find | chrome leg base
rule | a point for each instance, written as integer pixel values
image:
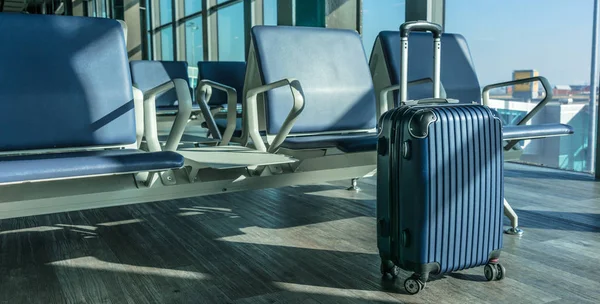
(513, 231)
(354, 186)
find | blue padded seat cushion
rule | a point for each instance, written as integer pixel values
(74, 164)
(64, 83)
(536, 131)
(332, 67)
(347, 143)
(458, 75)
(147, 74)
(230, 73)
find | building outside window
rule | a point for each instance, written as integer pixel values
(515, 39)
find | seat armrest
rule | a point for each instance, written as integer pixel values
(536, 131)
(183, 114)
(138, 101)
(251, 124)
(203, 94)
(530, 114)
(384, 105)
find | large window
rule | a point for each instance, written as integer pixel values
(193, 47)
(166, 42)
(231, 32)
(552, 38)
(192, 6)
(227, 39)
(166, 11)
(270, 12)
(380, 15)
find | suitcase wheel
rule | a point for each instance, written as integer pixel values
(494, 271)
(413, 285)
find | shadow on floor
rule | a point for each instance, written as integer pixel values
(535, 172)
(570, 221)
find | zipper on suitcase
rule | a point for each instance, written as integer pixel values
(395, 189)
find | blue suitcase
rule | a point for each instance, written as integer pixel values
(439, 184)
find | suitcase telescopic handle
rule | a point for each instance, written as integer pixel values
(420, 26)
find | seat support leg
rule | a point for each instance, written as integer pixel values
(354, 186)
(514, 220)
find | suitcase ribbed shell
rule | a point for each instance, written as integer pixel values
(465, 192)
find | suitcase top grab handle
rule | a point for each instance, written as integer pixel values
(420, 26)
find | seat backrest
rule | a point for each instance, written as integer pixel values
(147, 74)
(64, 83)
(458, 75)
(332, 68)
(230, 73)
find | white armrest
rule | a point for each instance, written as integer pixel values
(183, 114)
(203, 96)
(383, 98)
(138, 103)
(530, 114)
(252, 112)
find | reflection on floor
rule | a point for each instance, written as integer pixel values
(302, 244)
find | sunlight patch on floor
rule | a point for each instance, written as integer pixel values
(80, 227)
(198, 210)
(124, 222)
(189, 213)
(92, 263)
(32, 229)
(365, 295)
(342, 193)
(333, 236)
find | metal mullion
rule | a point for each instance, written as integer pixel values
(210, 31)
(359, 15)
(144, 43)
(174, 27)
(259, 12)
(179, 26)
(253, 15)
(191, 16)
(149, 30)
(156, 37)
(217, 7)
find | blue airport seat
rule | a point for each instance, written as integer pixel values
(45, 166)
(230, 73)
(457, 71)
(331, 66)
(458, 76)
(348, 143)
(65, 84)
(147, 75)
(222, 124)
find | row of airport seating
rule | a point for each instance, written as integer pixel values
(73, 106)
(458, 78)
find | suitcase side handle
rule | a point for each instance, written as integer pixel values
(420, 26)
